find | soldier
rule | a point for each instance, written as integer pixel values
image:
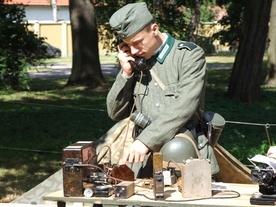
(170, 94)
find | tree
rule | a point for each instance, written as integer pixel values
(233, 21)
(170, 17)
(103, 12)
(20, 47)
(271, 75)
(180, 18)
(244, 82)
(195, 19)
(86, 68)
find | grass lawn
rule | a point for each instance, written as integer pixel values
(36, 125)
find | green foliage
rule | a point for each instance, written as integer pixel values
(20, 47)
(232, 22)
(206, 14)
(105, 33)
(170, 16)
(207, 44)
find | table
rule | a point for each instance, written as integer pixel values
(173, 198)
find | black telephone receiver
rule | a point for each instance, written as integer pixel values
(139, 64)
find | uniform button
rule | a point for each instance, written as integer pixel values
(155, 84)
(157, 104)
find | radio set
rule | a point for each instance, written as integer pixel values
(83, 176)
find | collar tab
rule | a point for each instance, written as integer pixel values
(165, 49)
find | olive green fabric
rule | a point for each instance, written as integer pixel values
(130, 19)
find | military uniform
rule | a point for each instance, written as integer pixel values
(181, 67)
(183, 72)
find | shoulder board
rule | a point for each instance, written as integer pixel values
(186, 45)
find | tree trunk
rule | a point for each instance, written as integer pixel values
(195, 19)
(271, 75)
(244, 83)
(86, 70)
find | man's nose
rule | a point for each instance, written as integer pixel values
(133, 50)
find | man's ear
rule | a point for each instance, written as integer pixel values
(154, 28)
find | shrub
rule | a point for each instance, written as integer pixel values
(19, 47)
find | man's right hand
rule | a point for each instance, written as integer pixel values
(134, 153)
(124, 57)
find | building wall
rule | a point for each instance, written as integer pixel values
(57, 34)
(45, 13)
(42, 22)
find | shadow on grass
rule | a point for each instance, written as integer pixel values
(37, 125)
(23, 171)
(245, 133)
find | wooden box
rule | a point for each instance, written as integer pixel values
(196, 179)
(82, 152)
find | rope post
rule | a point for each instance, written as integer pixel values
(267, 125)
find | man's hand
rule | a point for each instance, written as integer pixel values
(124, 57)
(135, 153)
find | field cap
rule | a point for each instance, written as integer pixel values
(130, 19)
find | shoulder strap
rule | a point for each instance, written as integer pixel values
(186, 45)
(154, 75)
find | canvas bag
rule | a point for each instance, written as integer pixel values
(111, 145)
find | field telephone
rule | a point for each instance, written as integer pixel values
(139, 64)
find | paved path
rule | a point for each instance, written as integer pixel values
(61, 70)
(64, 71)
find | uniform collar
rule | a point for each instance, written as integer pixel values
(165, 48)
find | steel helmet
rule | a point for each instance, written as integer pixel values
(178, 149)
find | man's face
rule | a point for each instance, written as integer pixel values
(143, 44)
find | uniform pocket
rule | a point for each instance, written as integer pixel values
(170, 90)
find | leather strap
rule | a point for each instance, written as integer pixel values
(185, 136)
(176, 165)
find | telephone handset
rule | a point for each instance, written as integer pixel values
(139, 64)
